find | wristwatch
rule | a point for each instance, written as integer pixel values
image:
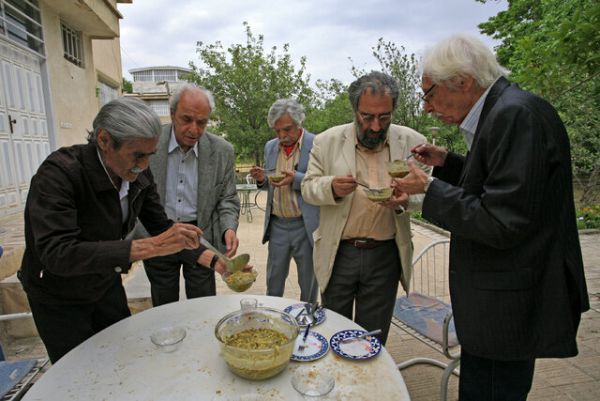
(213, 262)
(428, 183)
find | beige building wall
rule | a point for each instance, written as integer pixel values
(72, 88)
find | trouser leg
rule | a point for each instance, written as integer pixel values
(278, 259)
(343, 283)
(199, 281)
(376, 297)
(302, 253)
(483, 379)
(163, 273)
(63, 327)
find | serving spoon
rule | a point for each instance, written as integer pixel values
(232, 265)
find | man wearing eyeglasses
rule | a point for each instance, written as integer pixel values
(516, 273)
(362, 248)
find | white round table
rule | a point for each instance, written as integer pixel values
(121, 363)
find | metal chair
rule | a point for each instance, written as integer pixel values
(426, 313)
(16, 377)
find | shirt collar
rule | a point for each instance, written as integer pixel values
(174, 145)
(469, 125)
(124, 190)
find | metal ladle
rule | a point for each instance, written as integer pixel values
(232, 265)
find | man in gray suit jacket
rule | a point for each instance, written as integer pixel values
(516, 273)
(289, 221)
(194, 173)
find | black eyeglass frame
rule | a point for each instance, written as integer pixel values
(427, 92)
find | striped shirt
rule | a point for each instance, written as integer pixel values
(285, 202)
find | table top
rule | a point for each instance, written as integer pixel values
(121, 363)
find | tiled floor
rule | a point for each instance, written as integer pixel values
(569, 379)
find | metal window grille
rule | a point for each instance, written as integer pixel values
(161, 107)
(72, 45)
(20, 22)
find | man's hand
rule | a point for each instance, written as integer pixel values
(179, 236)
(343, 185)
(288, 179)
(258, 173)
(429, 154)
(398, 199)
(231, 242)
(413, 183)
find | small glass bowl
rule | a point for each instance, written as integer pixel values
(168, 339)
(312, 382)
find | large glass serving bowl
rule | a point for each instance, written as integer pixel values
(275, 333)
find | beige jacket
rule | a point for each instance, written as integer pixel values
(333, 154)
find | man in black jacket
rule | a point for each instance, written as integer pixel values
(516, 274)
(82, 203)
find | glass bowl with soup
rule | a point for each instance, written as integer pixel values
(257, 344)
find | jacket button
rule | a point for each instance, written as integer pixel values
(118, 269)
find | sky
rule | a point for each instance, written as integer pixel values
(328, 32)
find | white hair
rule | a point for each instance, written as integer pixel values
(461, 55)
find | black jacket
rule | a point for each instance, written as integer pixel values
(74, 238)
(516, 273)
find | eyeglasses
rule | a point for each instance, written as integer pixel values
(426, 97)
(369, 118)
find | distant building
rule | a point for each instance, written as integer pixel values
(154, 86)
(60, 61)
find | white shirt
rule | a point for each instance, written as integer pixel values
(123, 192)
(469, 125)
(181, 189)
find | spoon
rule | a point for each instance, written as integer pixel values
(232, 265)
(363, 335)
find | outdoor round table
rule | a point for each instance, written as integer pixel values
(121, 363)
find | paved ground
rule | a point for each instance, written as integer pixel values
(555, 380)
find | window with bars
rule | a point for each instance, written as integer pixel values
(20, 21)
(72, 45)
(161, 107)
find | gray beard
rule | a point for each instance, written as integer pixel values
(370, 142)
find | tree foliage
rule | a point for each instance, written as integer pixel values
(552, 48)
(331, 106)
(127, 86)
(246, 80)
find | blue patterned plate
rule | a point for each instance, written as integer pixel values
(357, 350)
(295, 309)
(316, 347)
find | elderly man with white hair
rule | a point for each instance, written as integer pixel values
(516, 273)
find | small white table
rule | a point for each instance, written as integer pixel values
(120, 362)
(244, 191)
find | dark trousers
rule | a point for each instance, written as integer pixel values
(365, 280)
(63, 327)
(163, 273)
(483, 379)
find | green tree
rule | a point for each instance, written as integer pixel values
(331, 106)
(127, 86)
(246, 80)
(552, 48)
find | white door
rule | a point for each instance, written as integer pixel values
(24, 140)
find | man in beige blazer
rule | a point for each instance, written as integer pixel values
(362, 249)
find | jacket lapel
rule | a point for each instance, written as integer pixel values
(491, 99)
(206, 175)
(349, 148)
